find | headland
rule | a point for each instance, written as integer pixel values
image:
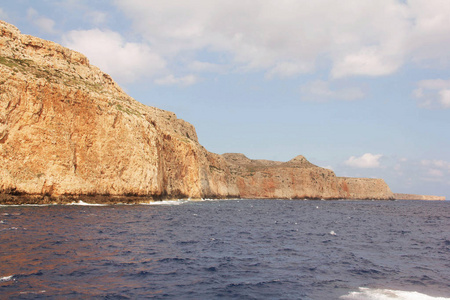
(68, 131)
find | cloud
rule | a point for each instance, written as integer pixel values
(444, 96)
(96, 17)
(321, 91)
(368, 61)
(206, 67)
(125, 62)
(3, 15)
(181, 81)
(367, 160)
(31, 13)
(282, 39)
(436, 170)
(433, 93)
(44, 24)
(429, 37)
(287, 69)
(435, 173)
(439, 164)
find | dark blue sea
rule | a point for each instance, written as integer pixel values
(227, 249)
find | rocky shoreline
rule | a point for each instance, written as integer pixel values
(11, 199)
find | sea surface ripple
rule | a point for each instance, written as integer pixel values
(227, 249)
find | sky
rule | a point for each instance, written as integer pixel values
(360, 86)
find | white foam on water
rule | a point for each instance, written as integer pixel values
(17, 205)
(209, 199)
(166, 202)
(39, 292)
(82, 203)
(386, 294)
(6, 278)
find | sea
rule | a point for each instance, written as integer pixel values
(227, 249)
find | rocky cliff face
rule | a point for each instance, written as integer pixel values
(418, 197)
(67, 129)
(299, 179)
(364, 188)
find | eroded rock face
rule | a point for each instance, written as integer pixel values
(418, 197)
(299, 179)
(67, 129)
(364, 188)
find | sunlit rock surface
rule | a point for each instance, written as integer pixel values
(68, 130)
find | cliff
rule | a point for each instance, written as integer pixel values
(68, 130)
(418, 197)
(299, 179)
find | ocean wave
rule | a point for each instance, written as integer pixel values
(166, 202)
(32, 292)
(17, 205)
(6, 278)
(82, 203)
(386, 294)
(11, 228)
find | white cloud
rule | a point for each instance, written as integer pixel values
(435, 170)
(172, 80)
(444, 96)
(320, 91)
(433, 93)
(31, 13)
(429, 37)
(367, 160)
(200, 66)
(125, 62)
(358, 37)
(435, 173)
(366, 62)
(96, 17)
(3, 15)
(439, 164)
(282, 39)
(44, 24)
(287, 69)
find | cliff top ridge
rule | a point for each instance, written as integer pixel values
(240, 159)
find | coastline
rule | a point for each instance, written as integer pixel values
(400, 196)
(104, 200)
(67, 140)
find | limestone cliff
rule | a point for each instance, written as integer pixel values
(364, 188)
(418, 197)
(67, 129)
(299, 179)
